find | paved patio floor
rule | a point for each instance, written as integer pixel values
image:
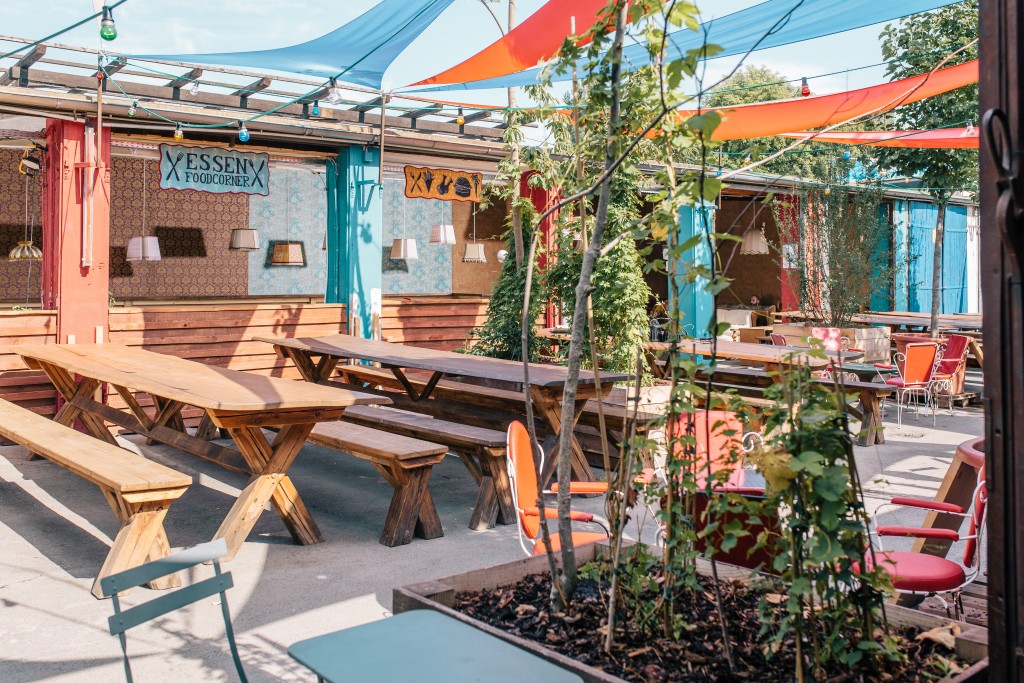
(55, 530)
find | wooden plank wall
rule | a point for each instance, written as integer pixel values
(27, 388)
(433, 322)
(221, 334)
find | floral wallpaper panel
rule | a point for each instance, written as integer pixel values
(431, 273)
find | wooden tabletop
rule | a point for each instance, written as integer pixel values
(763, 353)
(186, 381)
(953, 321)
(451, 364)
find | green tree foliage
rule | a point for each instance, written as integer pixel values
(501, 336)
(755, 83)
(942, 171)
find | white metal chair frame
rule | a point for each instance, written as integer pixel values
(970, 573)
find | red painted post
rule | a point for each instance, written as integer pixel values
(76, 231)
(542, 199)
(789, 209)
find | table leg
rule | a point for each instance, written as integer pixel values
(270, 482)
(549, 408)
(412, 509)
(872, 430)
(494, 500)
(141, 529)
(70, 391)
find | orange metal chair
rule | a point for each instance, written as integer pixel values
(915, 378)
(523, 479)
(929, 575)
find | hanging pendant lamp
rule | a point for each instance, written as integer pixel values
(754, 243)
(442, 233)
(244, 239)
(145, 247)
(474, 250)
(26, 250)
(404, 248)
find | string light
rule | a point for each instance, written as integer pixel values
(179, 134)
(132, 110)
(243, 133)
(315, 111)
(194, 89)
(460, 119)
(108, 31)
(805, 89)
(846, 155)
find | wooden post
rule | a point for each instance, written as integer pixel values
(543, 199)
(76, 230)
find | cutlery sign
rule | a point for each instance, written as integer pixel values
(212, 169)
(443, 183)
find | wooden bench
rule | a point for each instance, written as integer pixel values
(404, 462)
(482, 450)
(138, 490)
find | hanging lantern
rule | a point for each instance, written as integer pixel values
(754, 243)
(26, 251)
(442, 233)
(244, 239)
(404, 248)
(288, 254)
(145, 248)
(475, 253)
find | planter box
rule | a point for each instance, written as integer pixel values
(439, 595)
(874, 341)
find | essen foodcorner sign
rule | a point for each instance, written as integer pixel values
(213, 169)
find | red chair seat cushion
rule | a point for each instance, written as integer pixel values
(578, 538)
(920, 572)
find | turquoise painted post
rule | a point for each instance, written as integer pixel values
(355, 218)
(900, 251)
(695, 302)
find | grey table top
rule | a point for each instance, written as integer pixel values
(423, 646)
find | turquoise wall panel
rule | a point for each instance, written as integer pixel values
(900, 237)
(954, 261)
(696, 305)
(881, 295)
(922, 255)
(431, 273)
(295, 209)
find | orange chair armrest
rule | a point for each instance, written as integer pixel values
(583, 487)
(552, 513)
(916, 532)
(927, 504)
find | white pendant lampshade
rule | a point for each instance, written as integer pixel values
(25, 251)
(475, 253)
(288, 254)
(244, 239)
(753, 243)
(442, 234)
(404, 249)
(143, 249)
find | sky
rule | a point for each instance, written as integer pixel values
(177, 26)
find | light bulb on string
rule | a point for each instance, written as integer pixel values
(315, 111)
(460, 119)
(805, 89)
(132, 110)
(970, 127)
(108, 30)
(179, 134)
(194, 89)
(846, 155)
(243, 133)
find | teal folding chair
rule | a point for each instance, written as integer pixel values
(168, 602)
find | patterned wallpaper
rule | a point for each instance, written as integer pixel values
(296, 210)
(18, 279)
(194, 230)
(431, 273)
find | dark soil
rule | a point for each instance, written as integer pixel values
(697, 657)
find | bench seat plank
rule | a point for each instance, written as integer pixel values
(139, 491)
(404, 462)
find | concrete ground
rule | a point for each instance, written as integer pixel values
(55, 530)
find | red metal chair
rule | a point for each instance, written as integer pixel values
(915, 378)
(523, 479)
(929, 575)
(778, 339)
(954, 357)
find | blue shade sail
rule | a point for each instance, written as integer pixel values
(359, 52)
(746, 30)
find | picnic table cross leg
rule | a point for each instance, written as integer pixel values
(269, 482)
(70, 390)
(139, 538)
(549, 408)
(494, 501)
(411, 510)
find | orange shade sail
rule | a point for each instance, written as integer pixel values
(944, 138)
(538, 38)
(775, 118)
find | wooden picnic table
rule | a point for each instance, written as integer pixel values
(242, 403)
(895, 319)
(768, 355)
(317, 358)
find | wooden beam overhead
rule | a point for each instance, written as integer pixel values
(22, 65)
(478, 115)
(366, 106)
(434, 109)
(254, 87)
(185, 79)
(112, 67)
